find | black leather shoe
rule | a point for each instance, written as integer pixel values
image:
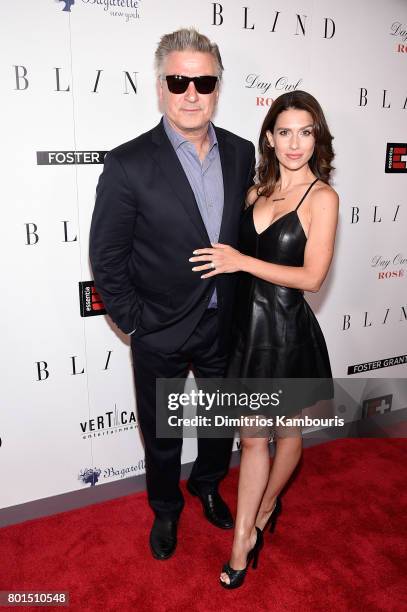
(215, 509)
(163, 538)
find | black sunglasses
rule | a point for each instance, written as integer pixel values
(178, 84)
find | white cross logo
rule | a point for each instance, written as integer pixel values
(383, 407)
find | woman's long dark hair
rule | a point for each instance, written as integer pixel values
(268, 171)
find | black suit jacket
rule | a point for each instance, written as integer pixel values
(145, 225)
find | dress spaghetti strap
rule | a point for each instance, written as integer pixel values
(306, 193)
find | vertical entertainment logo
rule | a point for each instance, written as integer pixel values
(396, 157)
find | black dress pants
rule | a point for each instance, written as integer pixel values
(163, 455)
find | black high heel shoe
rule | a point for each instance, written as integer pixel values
(272, 519)
(236, 577)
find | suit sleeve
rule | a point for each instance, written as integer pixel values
(110, 245)
(252, 170)
(250, 164)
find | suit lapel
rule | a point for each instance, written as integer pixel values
(226, 152)
(173, 171)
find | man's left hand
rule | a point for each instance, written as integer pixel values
(223, 259)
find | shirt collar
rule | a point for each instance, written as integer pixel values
(177, 139)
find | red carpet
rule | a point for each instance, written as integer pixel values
(339, 545)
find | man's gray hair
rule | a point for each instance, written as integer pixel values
(186, 39)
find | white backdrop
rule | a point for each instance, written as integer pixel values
(67, 386)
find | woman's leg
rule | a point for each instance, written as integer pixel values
(253, 477)
(287, 455)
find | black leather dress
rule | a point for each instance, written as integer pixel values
(276, 334)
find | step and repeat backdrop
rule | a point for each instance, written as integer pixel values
(77, 79)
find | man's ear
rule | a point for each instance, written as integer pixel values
(160, 94)
(159, 86)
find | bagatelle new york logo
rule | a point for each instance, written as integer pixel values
(89, 476)
(92, 475)
(128, 9)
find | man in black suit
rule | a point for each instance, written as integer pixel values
(176, 188)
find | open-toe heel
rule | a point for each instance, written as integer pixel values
(236, 577)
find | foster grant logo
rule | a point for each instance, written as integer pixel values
(62, 158)
(368, 366)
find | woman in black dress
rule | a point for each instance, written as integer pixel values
(285, 248)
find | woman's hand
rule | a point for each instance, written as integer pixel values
(222, 258)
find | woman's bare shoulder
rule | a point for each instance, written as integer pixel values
(323, 193)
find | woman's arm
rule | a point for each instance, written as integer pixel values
(317, 256)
